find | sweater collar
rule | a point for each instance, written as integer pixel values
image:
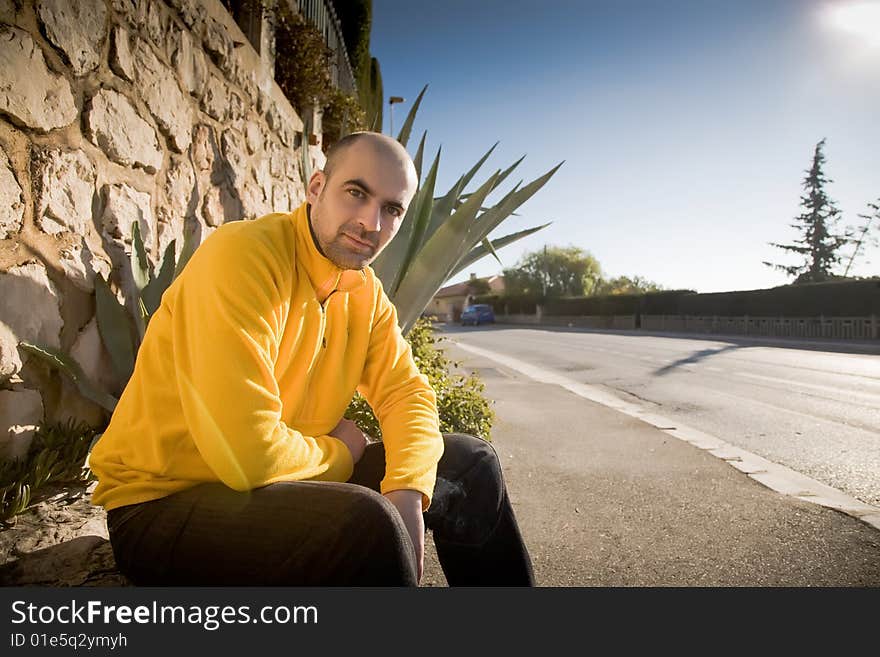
(323, 274)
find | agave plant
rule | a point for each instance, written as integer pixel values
(121, 331)
(441, 236)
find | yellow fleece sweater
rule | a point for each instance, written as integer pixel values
(243, 371)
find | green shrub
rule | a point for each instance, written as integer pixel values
(56, 456)
(302, 59)
(460, 402)
(342, 115)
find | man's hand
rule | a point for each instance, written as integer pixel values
(409, 504)
(349, 433)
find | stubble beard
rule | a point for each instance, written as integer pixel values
(343, 254)
(345, 258)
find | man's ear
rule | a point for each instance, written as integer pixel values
(316, 186)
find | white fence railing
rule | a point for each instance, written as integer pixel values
(846, 328)
(841, 328)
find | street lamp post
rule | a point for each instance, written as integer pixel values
(391, 101)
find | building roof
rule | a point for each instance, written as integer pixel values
(461, 289)
(456, 290)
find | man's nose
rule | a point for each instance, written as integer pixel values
(371, 217)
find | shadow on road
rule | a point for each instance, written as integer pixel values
(695, 358)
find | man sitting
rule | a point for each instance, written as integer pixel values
(228, 461)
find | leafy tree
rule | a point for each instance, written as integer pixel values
(554, 271)
(819, 243)
(478, 286)
(627, 285)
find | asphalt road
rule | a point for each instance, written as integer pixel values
(607, 499)
(814, 407)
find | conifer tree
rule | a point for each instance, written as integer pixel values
(819, 243)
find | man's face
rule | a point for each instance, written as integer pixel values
(358, 209)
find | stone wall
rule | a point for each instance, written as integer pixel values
(114, 112)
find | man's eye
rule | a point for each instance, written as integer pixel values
(394, 211)
(356, 193)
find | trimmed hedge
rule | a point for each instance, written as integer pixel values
(832, 299)
(510, 305)
(845, 298)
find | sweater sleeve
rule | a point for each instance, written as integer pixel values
(404, 404)
(227, 320)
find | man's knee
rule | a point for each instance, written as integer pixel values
(472, 458)
(374, 512)
(382, 540)
(468, 493)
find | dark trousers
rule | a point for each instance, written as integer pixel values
(311, 533)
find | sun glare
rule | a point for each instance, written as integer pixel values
(859, 18)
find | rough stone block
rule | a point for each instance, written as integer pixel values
(65, 184)
(81, 263)
(253, 201)
(113, 124)
(179, 194)
(121, 57)
(21, 412)
(163, 96)
(221, 205)
(204, 148)
(217, 42)
(171, 231)
(134, 12)
(188, 11)
(158, 19)
(7, 12)
(215, 102)
(30, 308)
(77, 28)
(29, 93)
(235, 154)
(89, 352)
(123, 206)
(189, 62)
(10, 359)
(280, 199)
(236, 107)
(253, 136)
(11, 200)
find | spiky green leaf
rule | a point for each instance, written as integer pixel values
(152, 293)
(389, 266)
(403, 136)
(488, 221)
(487, 244)
(444, 206)
(189, 246)
(437, 259)
(68, 366)
(481, 251)
(419, 222)
(418, 158)
(114, 325)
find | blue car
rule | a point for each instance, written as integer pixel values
(477, 314)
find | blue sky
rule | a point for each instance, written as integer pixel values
(685, 126)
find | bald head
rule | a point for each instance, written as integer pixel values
(382, 145)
